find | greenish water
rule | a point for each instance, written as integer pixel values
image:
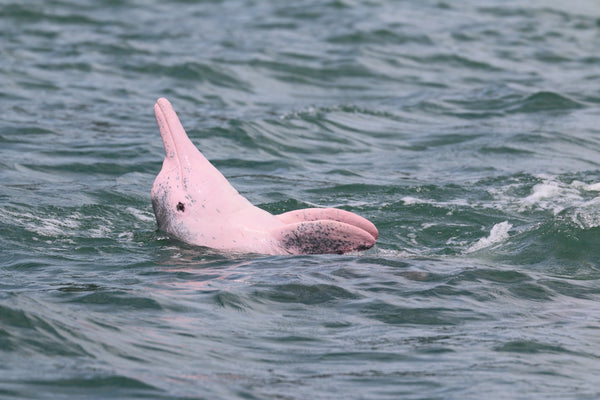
(468, 133)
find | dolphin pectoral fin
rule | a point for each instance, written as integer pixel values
(331, 214)
(322, 237)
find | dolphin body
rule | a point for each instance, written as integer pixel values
(195, 203)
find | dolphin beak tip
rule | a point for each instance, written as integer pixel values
(162, 103)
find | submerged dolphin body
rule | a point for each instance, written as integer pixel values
(195, 203)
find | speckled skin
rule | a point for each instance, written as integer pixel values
(195, 203)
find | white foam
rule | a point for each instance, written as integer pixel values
(593, 187)
(141, 215)
(101, 231)
(498, 234)
(587, 214)
(394, 253)
(556, 196)
(541, 191)
(552, 195)
(409, 200)
(44, 226)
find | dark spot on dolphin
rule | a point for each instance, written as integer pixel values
(317, 238)
(180, 206)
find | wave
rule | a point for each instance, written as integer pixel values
(498, 234)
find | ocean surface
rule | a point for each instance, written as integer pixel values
(468, 132)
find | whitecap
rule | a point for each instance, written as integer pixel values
(498, 234)
(552, 195)
(409, 200)
(593, 187)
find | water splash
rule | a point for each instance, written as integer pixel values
(498, 234)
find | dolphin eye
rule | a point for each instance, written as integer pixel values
(180, 206)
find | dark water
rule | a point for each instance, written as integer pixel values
(468, 133)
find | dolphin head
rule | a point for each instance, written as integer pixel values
(185, 191)
(171, 201)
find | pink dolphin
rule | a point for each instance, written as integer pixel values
(195, 203)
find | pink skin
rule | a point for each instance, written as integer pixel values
(195, 203)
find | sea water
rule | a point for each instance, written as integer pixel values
(468, 132)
